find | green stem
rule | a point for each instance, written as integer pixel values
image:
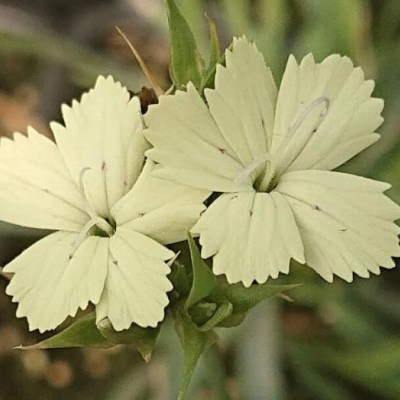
(194, 343)
(192, 357)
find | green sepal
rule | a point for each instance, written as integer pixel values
(194, 343)
(207, 316)
(216, 58)
(242, 298)
(186, 62)
(235, 319)
(179, 279)
(214, 302)
(215, 49)
(85, 333)
(82, 333)
(201, 312)
(204, 281)
(143, 339)
(223, 312)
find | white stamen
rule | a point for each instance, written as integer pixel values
(95, 220)
(80, 179)
(82, 189)
(243, 175)
(285, 151)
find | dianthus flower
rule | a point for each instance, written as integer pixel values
(112, 219)
(270, 155)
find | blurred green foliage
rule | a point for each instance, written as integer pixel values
(335, 341)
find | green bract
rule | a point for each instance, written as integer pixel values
(186, 63)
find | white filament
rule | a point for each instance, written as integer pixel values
(94, 219)
(285, 147)
(310, 107)
(243, 175)
(86, 204)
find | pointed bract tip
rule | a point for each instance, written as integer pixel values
(146, 71)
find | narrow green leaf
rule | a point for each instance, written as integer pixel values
(194, 343)
(209, 75)
(186, 62)
(204, 282)
(215, 57)
(243, 299)
(215, 50)
(82, 333)
(143, 339)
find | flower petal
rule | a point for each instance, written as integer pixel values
(243, 101)
(52, 280)
(160, 209)
(188, 144)
(37, 190)
(103, 137)
(137, 284)
(325, 114)
(345, 221)
(251, 235)
(209, 149)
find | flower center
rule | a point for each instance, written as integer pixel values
(104, 226)
(245, 173)
(291, 147)
(97, 226)
(266, 180)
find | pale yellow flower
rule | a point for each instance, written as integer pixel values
(111, 217)
(270, 154)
